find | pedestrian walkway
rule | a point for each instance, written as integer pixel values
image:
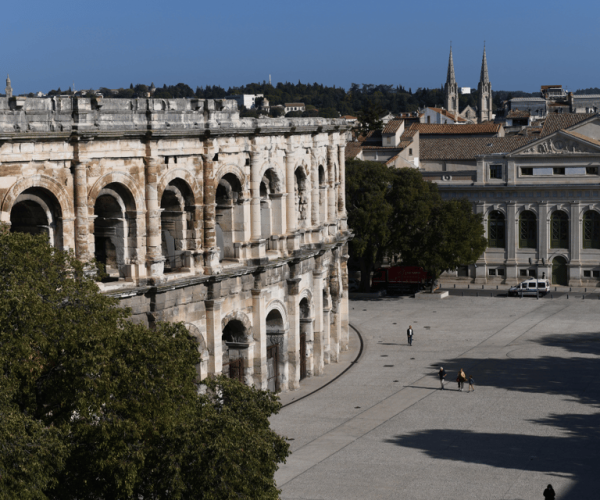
(385, 430)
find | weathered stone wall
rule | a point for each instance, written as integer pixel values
(199, 216)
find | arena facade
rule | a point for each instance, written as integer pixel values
(236, 227)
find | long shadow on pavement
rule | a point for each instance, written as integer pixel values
(576, 454)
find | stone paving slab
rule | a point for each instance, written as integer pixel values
(532, 420)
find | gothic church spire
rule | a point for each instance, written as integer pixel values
(484, 113)
(484, 78)
(451, 88)
(451, 77)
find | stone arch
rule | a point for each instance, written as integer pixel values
(40, 181)
(276, 169)
(117, 178)
(279, 306)
(307, 294)
(495, 208)
(198, 337)
(186, 176)
(559, 208)
(527, 208)
(239, 316)
(587, 208)
(235, 170)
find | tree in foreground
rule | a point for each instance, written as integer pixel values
(395, 212)
(93, 406)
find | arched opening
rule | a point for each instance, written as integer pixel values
(275, 350)
(322, 195)
(591, 229)
(229, 215)
(177, 224)
(496, 230)
(301, 196)
(305, 336)
(114, 229)
(234, 343)
(37, 211)
(559, 230)
(527, 230)
(270, 204)
(559, 271)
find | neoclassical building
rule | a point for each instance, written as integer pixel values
(540, 198)
(236, 227)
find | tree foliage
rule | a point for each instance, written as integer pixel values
(369, 118)
(396, 212)
(93, 406)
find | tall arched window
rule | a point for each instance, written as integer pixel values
(496, 230)
(559, 230)
(591, 229)
(527, 230)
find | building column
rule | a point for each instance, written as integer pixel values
(211, 252)
(315, 219)
(543, 239)
(480, 267)
(293, 308)
(342, 191)
(255, 164)
(576, 243)
(512, 228)
(306, 327)
(292, 216)
(344, 305)
(319, 346)
(154, 258)
(81, 213)
(331, 207)
(259, 326)
(214, 336)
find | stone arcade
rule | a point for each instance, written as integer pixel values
(236, 227)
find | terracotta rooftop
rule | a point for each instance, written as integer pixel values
(408, 134)
(392, 126)
(558, 121)
(353, 149)
(348, 117)
(294, 104)
(438, 129)
(468, 148)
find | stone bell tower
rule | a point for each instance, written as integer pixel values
(484, 113)
(8, 89)
(451, 88)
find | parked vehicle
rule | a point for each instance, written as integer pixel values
(400, 279)
(530, 288)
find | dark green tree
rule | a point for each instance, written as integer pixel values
(93, 406)
(369, 210)
(369, 118)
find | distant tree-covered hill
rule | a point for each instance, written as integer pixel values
(320, 99)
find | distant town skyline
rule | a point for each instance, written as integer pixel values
(397, 43)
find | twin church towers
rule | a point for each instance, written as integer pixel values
(484, 111)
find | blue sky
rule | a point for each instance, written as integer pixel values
(115, 43)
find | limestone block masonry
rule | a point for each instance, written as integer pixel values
(237, 227)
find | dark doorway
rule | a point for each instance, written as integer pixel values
(559, 271)
(236, 369)
(272, 371)
(302, 356)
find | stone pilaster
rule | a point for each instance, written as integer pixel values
(576, 243)
(342, 190)
(81, 212)
(290, 164)
(293, 308)
(211, 252)
(512, 228)
(259, 320)
(255, 164)
(154, 258)
(331, 208)
(214, 336)
(319, 345)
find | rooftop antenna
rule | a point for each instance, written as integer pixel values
(269, 79)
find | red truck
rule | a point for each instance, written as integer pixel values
(400, 279)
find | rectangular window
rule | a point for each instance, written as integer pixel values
(558, 171)
(492, 272)
(523, 272)
(495, 171)
(500, 272)
(532, 273)
(596, 274)
(587, 274)
(526, 171)
(410, 152)
(591, 170)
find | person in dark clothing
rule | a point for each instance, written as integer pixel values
(409, 334)
(442, 374)
(549, 493)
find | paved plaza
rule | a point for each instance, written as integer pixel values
(385, 430)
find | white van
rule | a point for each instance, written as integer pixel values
(530, 288)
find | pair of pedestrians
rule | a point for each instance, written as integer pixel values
(461, 379)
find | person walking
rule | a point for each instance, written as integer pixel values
(471, 383)
(549, 493)
(409, 334)
(461, 379)
(442, 375)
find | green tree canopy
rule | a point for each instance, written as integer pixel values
(93, 406)
(369, 118)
